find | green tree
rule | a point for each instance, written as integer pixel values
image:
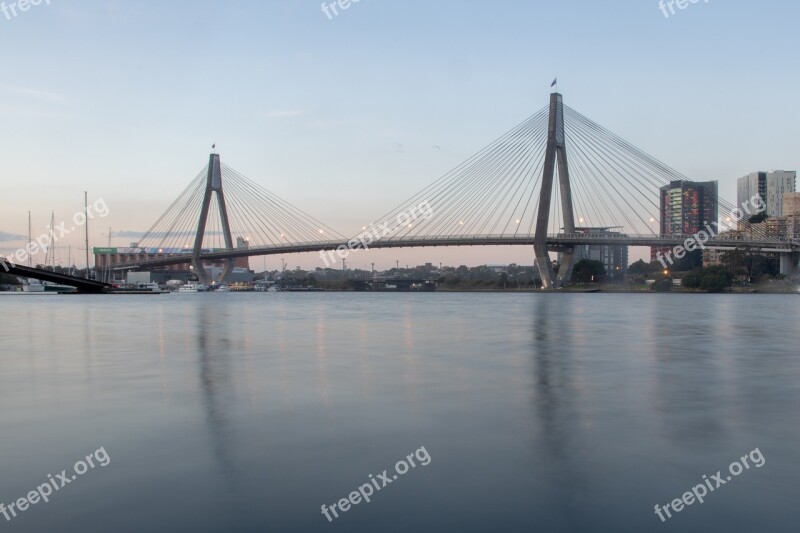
(710, 279)
(743, 262)
(8, 279)
(716, 279)
(588, 270)
(503, 281)
(662, 285)
(639, 268)
(693, 279)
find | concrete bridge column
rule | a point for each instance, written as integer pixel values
(789, 264)
(213, 185)
(555, 158)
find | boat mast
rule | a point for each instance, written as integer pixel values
(50, 251)
(86, 226)
(30, 239)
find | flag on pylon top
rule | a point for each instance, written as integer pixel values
(555, 82)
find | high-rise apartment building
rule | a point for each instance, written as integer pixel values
(769, 186)
(687, 207)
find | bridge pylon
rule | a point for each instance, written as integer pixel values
(213, 185)
(555, 154)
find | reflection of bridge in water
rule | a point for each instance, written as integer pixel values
(501, 196)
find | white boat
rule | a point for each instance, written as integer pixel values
(33, 285)
(264, 285)
(148, 287)
(193, 287)
(223, 288)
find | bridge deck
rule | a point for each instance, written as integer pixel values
(553, 241)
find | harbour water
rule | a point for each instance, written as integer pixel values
(540, 412)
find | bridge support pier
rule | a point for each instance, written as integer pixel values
(555, 157)
(213, 185)
(790, 264)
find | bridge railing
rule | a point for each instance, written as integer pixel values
(671, 238)
(582, 237)
(775, 244)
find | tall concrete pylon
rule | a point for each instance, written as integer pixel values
(556, 153)
(213, 185)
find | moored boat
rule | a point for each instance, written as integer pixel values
(193, 287)
(57, 287)
(33, 285)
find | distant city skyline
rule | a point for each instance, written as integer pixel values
(347, 117)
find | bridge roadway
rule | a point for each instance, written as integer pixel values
(83, 285)
(554, 241)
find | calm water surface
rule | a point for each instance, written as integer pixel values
(540, 412)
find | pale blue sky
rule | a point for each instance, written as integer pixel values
(341, 117)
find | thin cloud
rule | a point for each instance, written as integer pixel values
(11, 237)
(285, 113)
(127, 233)
(43, 96)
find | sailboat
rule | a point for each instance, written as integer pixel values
(31, 285)
(50, 260)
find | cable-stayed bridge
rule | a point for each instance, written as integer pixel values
(555, 181)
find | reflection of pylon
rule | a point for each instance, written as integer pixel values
(213, 185)
(556, 150)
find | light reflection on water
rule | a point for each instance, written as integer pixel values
(554, 412)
